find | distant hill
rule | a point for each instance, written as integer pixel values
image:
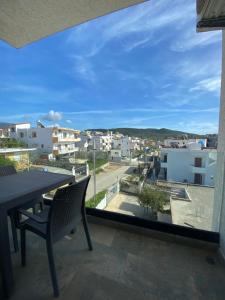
(151, 133)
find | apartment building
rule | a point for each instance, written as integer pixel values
(50, 140)
(127, 145)
(184, 142)
(102, 142)
(9, 130)
(192, 164)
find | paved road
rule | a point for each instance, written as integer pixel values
(105, 180)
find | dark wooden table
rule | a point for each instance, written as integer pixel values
(15, 191)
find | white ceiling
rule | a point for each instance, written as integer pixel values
(25, 21)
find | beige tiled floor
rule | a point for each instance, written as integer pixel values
(123, 265)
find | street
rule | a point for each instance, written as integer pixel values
(105, 180)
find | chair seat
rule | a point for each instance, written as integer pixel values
(38, 228)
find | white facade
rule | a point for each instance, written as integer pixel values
(50, 140)
(115, 155)
(183, 142)
(102, 142)
(191, 165)
(10, 130)
(124, 144)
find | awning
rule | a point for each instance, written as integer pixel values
(25, 21)
(211, 15)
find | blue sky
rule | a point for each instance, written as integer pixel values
(144, 66)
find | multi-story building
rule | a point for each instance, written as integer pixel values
(126, 144)
(9, 130)
(50, 140)
(192, 164)
(183, 142)
(102, 142)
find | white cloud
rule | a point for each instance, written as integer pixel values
(136, 44)
(212, 84)
(141, 110)
(83, 68)
(199, 127)
(24, 88)
(189, 38)
(68, 121)
(141, 22)
(52, 116)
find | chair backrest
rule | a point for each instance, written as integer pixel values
(7, 170)
(67, 208)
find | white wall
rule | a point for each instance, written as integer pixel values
(180, 142)
(219, 203)
(44, 137)
(180, 164)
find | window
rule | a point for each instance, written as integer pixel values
(42, 146)
(21, 134)
(34, 134)
(198, 162)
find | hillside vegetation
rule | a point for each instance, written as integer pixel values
(151, 133)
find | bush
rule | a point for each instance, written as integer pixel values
(92, 203)
(6, 162)
(12, 143)
(154, 199)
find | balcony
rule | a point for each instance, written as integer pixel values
(60, 139)
(124, 264)
(198, 170)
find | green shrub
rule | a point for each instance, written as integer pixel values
(152, 198)
(6, 162)
(12, 143)
(92, 203)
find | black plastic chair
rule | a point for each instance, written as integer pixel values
(56, 221)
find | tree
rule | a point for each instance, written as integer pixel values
(152, 198)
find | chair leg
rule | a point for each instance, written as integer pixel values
(34, 210)
(23, 246)
(52, 267)
(14, 232)
(41, 205)
(84, 220)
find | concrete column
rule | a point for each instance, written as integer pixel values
(219, 202)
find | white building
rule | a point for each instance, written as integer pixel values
(9, 130)
(183, 142)
(50, 140)
(115, 155)
(191, 164)
(124, 144)
(102, 142)
(85, 141)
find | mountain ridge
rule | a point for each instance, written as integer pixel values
(151, 133)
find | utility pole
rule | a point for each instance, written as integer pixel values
(94, 173)
(74, 167)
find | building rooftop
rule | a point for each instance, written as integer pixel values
(123, 265)
(12, 150)
(195, 212)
